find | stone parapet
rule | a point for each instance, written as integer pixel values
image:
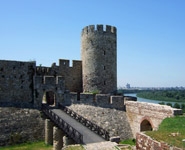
(130, 98)
(86, 98)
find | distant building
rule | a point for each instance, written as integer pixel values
(128, 86)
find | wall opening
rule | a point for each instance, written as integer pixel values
(145, 126)
(49, 98)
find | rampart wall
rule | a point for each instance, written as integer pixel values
(153, 113)
(16, 81)
(102, 100)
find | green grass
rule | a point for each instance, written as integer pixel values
(167, 128)
(75, 148)
(129, 142)
(29, 146)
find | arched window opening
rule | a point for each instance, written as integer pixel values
(49, 98)
(145, 126)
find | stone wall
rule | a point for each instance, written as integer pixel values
(153, 113)
(99, 59)
(19, 125)
(102, 100)
(16, 81)
(72, 74)
(144, 142)
(112, 120)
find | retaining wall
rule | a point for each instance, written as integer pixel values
(19, 125)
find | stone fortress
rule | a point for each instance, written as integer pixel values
(24, 82)
(89, 88)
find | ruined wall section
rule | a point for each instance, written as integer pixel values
(72, 74)
(154, 113)
(99, 59)
(144, 142)
(16, 81)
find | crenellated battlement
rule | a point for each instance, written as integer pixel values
(66, 62)
(99, 28)
(63, 63)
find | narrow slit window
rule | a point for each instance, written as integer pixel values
(104, 83)
(104, 52)
(104, 67)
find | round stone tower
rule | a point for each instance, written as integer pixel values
(99, 59)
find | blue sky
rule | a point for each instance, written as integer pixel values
(150, 35)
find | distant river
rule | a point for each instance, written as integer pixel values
(150, 101)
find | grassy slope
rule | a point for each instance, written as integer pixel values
(30, 146)
(169, 126)
(149, 95)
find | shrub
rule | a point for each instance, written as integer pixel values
(176, 105)
(162, 103)
(169, 104)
